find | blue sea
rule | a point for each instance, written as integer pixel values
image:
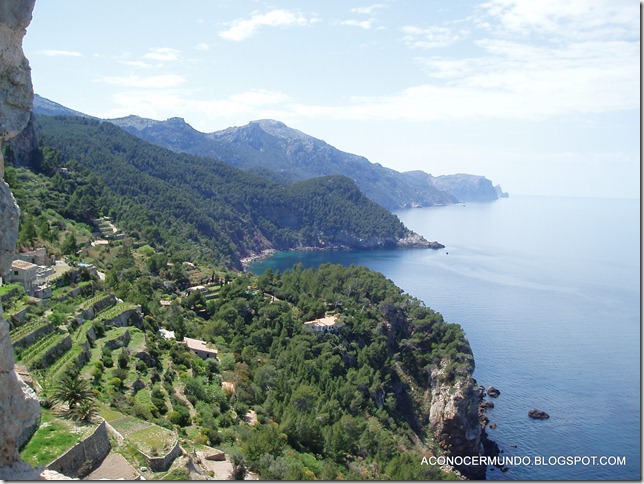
(548, 292)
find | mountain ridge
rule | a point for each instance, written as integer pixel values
(272, 149)
(230, 214)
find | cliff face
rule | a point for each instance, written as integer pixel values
(23, 149)
(19, 408)
(466, 188)
(454, 418)
(16, 91)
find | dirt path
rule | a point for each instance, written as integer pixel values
(187, 403)
(114, 466)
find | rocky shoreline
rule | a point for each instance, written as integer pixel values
(410, 241)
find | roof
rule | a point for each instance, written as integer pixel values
(21, 264)
(328, 321)
(198, 345)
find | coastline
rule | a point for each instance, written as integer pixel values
(410, 242)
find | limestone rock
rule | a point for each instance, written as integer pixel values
(9, 214)
(49, 475)
(16, 91)
(19, 407)
(454, 418)
(486, 405)
(493, 392)
(20, 471)
(23, 149)
(538, 414)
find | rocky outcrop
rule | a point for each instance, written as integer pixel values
(538, 414)
(9, 214)
(454, 418)
(23, 150)
(413, 240)
(493, 392)
(466, 188)
(16, 91)
(500, 193)
(19, 408)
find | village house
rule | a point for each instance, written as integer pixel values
(37, 256)
(24, 273)
(200, 348)
(323, 325)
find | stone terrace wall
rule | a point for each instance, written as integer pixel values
(129, 317)
(90, 451)
(159, 464)
(33, 336)
(97, 307)
(56, 351)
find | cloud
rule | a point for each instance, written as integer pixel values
(363, 24)
(152, 82)
(431, 37)
(368, 10)
(242, 29)
(60, 53)
(162, 54)
(605, 18)
(164, 103)
(202, 46)
(258, 97)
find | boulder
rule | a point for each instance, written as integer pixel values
(137, 385)
(216, 456)
(146, 358)
(538, 414)
(486, 405)
(493, 392)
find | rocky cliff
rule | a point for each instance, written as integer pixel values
(454, 417)
(16, 91)
(461, 186)
(19, 408)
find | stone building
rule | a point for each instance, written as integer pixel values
(25, 273)
(200, 348)
(323, 325)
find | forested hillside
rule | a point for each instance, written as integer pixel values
(281, 400)
(223, 213)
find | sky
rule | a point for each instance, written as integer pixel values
(542, 97)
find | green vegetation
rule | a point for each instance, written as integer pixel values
(53, 438)
(282, 402)
(77, 395)
(194, 206)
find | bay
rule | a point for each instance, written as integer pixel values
(548, 292)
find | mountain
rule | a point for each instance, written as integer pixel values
(226, 213)
(45, 107)
(271, 149)
(466, 188)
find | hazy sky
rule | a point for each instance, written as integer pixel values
(540, 96)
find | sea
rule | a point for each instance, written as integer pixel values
(548, 292)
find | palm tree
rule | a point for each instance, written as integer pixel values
(77, 393)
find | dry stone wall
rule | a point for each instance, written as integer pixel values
(85, 456)
(159, 464)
